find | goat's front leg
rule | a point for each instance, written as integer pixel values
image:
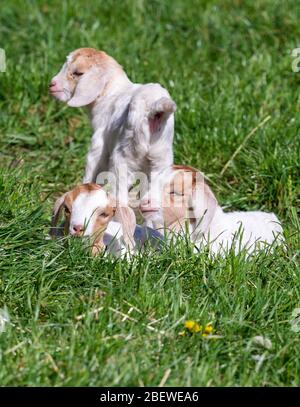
(151, 202)
(124, 214)
(95, 160)
(98, 248)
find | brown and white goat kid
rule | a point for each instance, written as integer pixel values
(91, 212)
(133, 123)
(187, 200)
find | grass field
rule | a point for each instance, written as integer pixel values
(75, 320)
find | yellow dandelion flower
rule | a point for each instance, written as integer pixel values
(192, 326)
(197, 328)
(208, 329)
(189, 324)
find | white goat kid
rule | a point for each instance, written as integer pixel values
(188, 201)
(133, 123)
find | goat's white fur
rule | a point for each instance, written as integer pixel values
(253, 230)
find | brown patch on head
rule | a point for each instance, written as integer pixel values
(73, 194)
(88, 53)
(187, 168)
(84, 188)
(104, 216)
(176, 197)
(85, 58)
(183, 181)
(66, 201)
(196, 174)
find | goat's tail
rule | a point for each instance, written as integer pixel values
(159, 112)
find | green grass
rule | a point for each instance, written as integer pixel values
(227, 65)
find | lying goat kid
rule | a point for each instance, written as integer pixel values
(187, 199)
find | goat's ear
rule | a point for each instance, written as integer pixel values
(56, 214)
(90, 85)
(112, 202)
(204, 206)
(160, 110)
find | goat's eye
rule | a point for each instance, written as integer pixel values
(176, 193)
(67, 210)
(103, 215)
(76, 73)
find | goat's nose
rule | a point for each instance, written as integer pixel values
(78, 229)
(52, 84)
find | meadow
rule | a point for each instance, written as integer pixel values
(75, 320)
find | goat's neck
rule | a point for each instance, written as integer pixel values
(217, 223)
(115, 87)
(179, 225)
(184, 224)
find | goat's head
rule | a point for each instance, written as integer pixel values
(84, 76)
(185, 196)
